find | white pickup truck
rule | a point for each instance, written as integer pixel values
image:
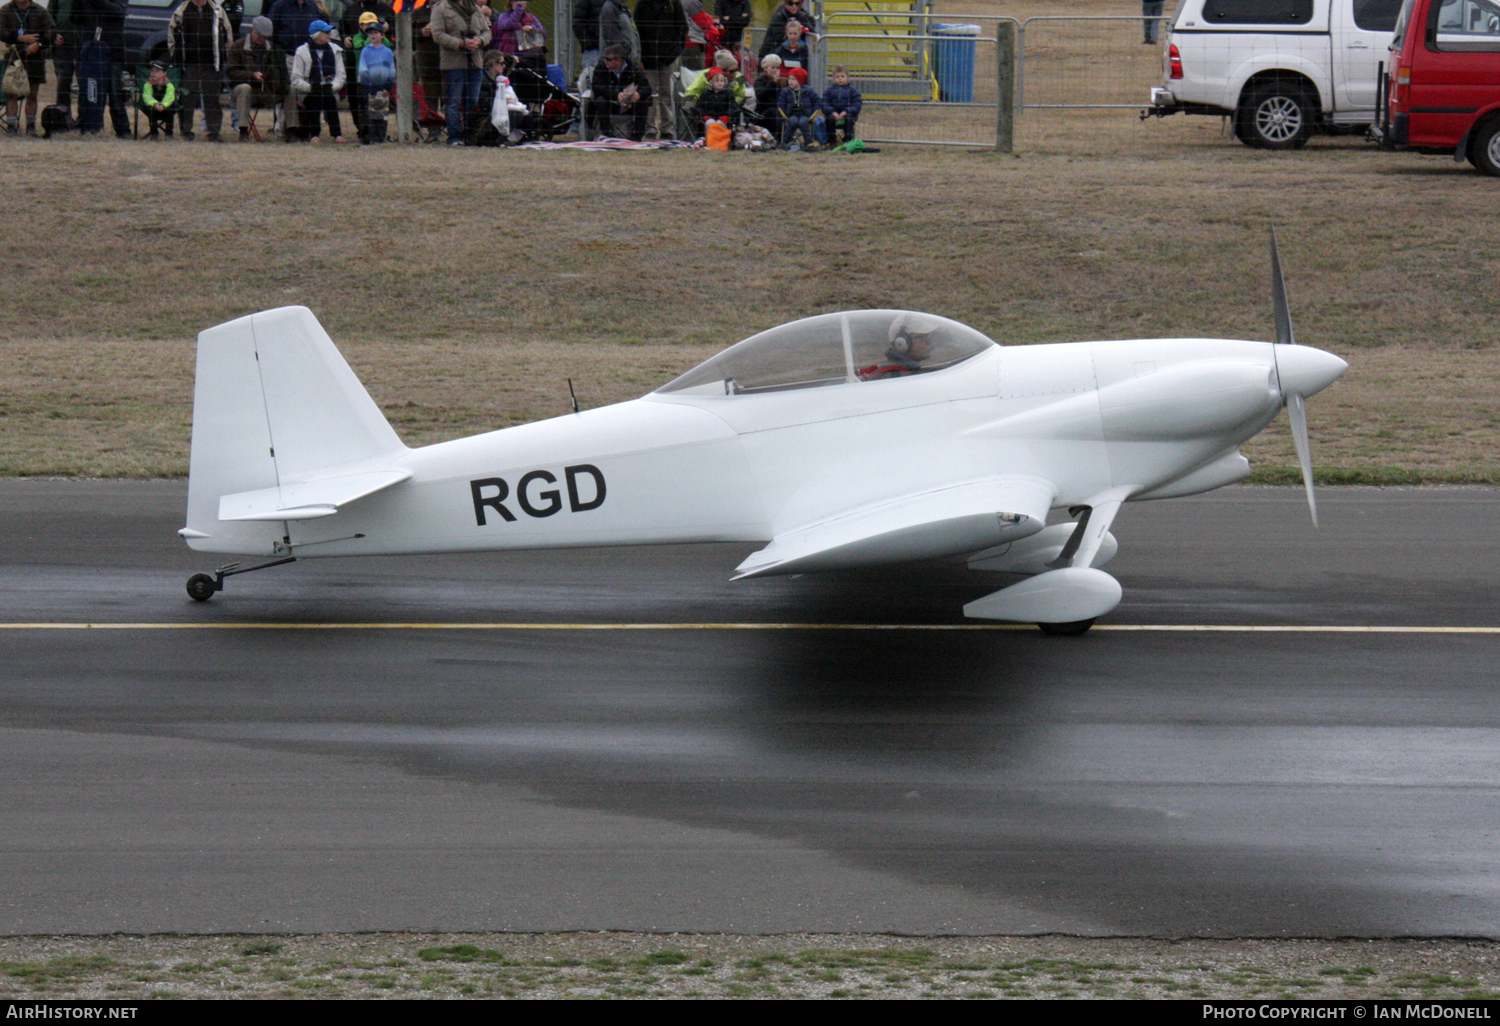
(1282, 68)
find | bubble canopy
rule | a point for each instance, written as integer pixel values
(834, 349)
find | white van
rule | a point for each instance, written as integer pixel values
(1282, 68)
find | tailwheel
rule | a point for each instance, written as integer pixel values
(201, 587)
(1067, 630)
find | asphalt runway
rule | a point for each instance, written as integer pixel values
(269, 761)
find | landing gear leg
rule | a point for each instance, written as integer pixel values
(201, 587)
(1067, 630)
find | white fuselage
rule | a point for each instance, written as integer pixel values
(1147, 418)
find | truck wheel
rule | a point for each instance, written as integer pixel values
(1484, 149)
(1275, 117)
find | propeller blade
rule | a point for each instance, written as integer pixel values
(1297, 411)
(1284, 335)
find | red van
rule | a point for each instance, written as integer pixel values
(1443, 82)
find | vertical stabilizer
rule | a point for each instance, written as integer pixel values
(320, 415)
(274, 404)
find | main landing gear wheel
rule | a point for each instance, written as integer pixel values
(201, 587)
(1067, 630)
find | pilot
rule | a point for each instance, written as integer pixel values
(910, 338)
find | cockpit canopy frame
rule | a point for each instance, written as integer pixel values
(834, 349)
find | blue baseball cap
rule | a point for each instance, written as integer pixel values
(319, 26)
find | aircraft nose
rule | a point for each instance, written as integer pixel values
(1305, 371)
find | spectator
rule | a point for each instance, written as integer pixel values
(617, 28)
(377, 77)
(354, 44)
(158, 102)
(798, 104)
(718, 103)
(663, 29)
(790, 10)
(427, 61)
(1151, 9)
(290, 20)
(317, 76)
(198, 42)
(841, 104)
(332, 11)
(65, 53)
(257, 73)
(520, 33)
(462, 29)
(586, 31)
(26, 25)
(723, 61)
(618, 86)
(509, 120)
(524, 33)
(106, 20)
(793, 50)
(703, 35)
(735, 16)
(767, 86)
(353, 19)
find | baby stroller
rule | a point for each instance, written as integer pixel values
(555, 110)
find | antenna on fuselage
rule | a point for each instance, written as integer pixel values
(573, 395)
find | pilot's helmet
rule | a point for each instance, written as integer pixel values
(905, 326)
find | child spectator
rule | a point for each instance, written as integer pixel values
(718, 103)
(794, 51)
(377, 77)
(790, 10)
(158, 101)
(797, 104)
(841, 104)
(723, 61)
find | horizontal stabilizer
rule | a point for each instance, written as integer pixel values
(943, 522)
(309, 500)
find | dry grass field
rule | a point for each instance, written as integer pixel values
(465, 286)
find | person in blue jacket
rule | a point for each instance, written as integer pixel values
(797, 104)
(377, 76)
(841, 104)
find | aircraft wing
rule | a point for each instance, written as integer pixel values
(948, 521)
(309, 500)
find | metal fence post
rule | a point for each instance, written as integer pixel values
(1005, 86)
(405, 94)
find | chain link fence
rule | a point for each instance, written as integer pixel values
(1083, 61)
(938, 80)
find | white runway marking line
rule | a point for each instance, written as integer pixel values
(1160, 628)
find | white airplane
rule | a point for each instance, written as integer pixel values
(843, 440)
